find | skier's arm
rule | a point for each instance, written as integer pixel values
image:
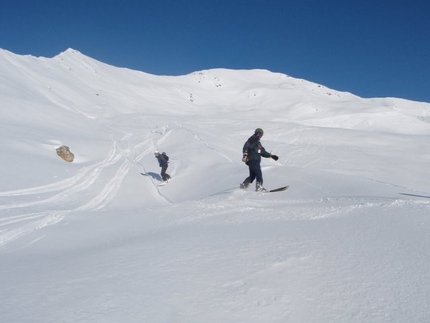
(245, 151)
(246, 147)
(264, 153)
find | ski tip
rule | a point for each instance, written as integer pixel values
(279, 189)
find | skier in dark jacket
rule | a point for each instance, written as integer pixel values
(252, 153)
(163, 162)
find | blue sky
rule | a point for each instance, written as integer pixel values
(372, 48)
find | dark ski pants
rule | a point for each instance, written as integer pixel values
(164, 175)
(254, 172)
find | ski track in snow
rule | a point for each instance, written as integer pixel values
(20, 218)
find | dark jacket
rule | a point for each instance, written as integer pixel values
(161, 160)
(254, 149)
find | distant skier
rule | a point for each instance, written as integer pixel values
(163, 161)
(252, 153)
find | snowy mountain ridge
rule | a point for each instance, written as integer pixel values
(206, 92)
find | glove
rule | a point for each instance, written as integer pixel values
(245, 158)
(274, 157)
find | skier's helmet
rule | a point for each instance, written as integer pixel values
(156, 152)
(259, 132)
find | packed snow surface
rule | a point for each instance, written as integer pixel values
(99, 240)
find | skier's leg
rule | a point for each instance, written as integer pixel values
(259, 176)
(252, 172)
(250, 178)
(163, 172)
(167, 175)
(245, 183)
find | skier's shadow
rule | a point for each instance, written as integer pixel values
(153, 175)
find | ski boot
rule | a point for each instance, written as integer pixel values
(245, 184)
(259, 187)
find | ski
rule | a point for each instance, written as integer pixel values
(279, 189)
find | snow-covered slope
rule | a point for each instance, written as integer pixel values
(97, 240)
